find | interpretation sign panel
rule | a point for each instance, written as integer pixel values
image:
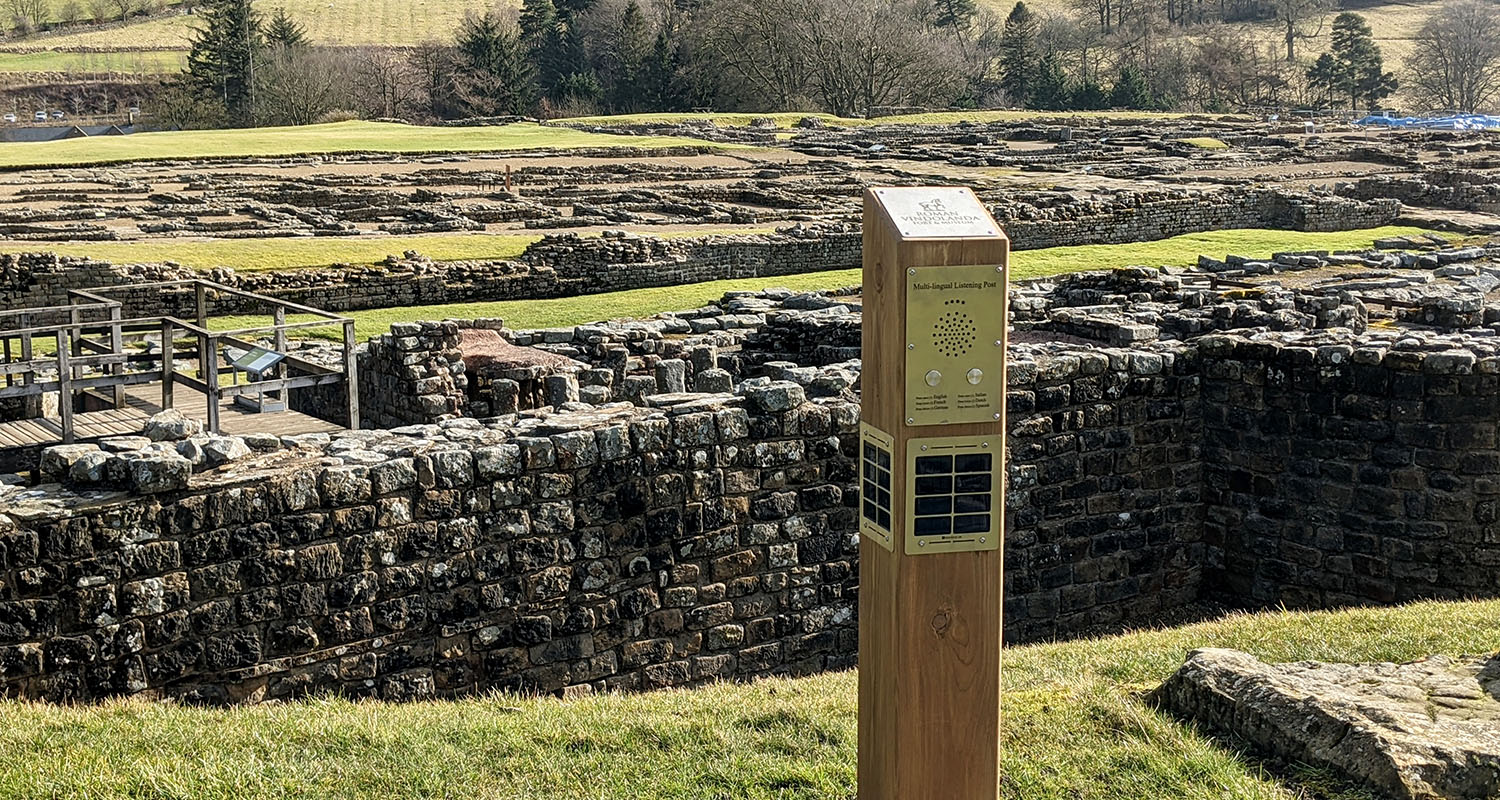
(955, 344)
(937, 212)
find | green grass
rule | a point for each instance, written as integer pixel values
(1072, 727)
(267, 255)
(337, 137)
(1206, 143)
(309, 252)
(142, 62)
(562, 312)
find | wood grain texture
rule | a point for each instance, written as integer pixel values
(929, 625)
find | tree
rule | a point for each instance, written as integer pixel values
(1087, 94)
(1050, 90)
(662, 86)
(494, 73)
(27, 16)
(1293, 16)
(957, 15)
(1323, 78)
(221, 63)
(1019, 56)
(283, 31)
(875, 53)
(1360, 66)
(1456, 62)
(627, 59)
(125, 8)
(300, 85)
(1131, 90)
(538, 21)
(758, 45)
(387, 83)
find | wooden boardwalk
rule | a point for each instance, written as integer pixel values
(143, 401)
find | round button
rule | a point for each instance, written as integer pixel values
(976, 375)
(934, 377)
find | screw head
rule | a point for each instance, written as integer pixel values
(910, 346)
(911, 271)
(910, 421)
(999, 343)
(924, 448)
(981, 540)
(997, 415)
(921, 544)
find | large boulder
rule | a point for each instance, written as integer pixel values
(1427, 729)
(171, 426)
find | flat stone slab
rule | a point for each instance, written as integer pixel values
(1426, 729)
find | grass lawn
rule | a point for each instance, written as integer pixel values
(141, 62)
(1205, 143)
(308, 252)
(1073, 727)
(561, 312)
(336, 137)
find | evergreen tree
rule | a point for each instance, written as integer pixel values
(1087, 94)
(1049, 91)
(579, 89)
(1360, 67)
(495, 75)
(538, 22)
(560, 55)
(1131, 90)
(221, 63)
(663, 81)
(283, 31)
(631, 49)
(1019, 57)
(1323, 77)
(955, 14)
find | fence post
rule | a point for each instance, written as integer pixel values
(64, 385)
(351, 375)
(168, 369)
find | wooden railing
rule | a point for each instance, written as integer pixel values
(92, 356)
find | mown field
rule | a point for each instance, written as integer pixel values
(1073, 727)
(1180, 250)
(141, 62)
(334, 137)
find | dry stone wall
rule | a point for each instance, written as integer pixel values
(615, 548)
(567, 264)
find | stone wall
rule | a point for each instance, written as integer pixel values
(564, 265)
(1343, 472)
(608, 549)
(1457, 189)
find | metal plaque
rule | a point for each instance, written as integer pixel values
(258, 360)
(876, 493)
(953, 494)
(937, 212)
(955, 344)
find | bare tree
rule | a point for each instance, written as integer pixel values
(125, 7)
(753, 41)
(300, 85)
(99, 11)
(27, 15)
(387, 83)
(1456, 62)
(1294, 17)
(862, 55)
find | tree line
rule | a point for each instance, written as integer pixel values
(573, 57)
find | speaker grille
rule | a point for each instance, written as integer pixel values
(954, 332)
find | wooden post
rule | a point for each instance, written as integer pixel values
(200, 303)
(168, 369)
(932, 490)
(208, 366)
(279, 337)
(64, 385)
(117, 347)
(351, 375)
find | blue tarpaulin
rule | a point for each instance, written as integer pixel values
(1456, 122)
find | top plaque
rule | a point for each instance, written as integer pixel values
(932, 212)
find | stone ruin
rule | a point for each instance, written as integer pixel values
(664, 502)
